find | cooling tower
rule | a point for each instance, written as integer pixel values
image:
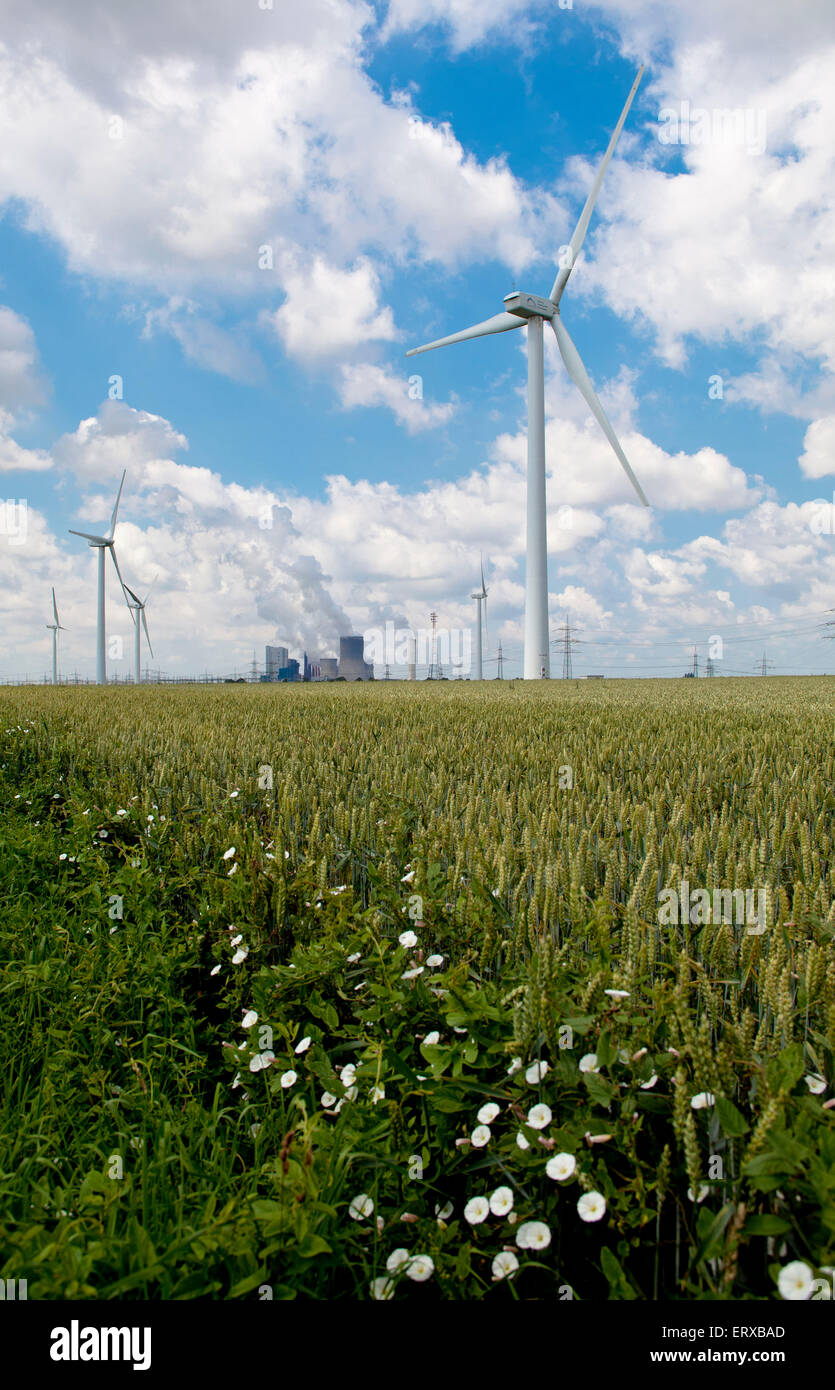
(352, 663)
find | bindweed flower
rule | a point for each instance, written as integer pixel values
(215, 970)
(561, 1167)
(361, 1207)
(261, 1061)
(407, 938)
(501, 1201)
(477, 1210)
(432, 1039)
(377, 1093)
(533, 1235)
(521, 1141)
(413, 973)
(407, 878)
(288, 1079)
(591, 1206)
(327, 1100)
(795, 1281)
(240, 955)
(229, 853)
(617, 993)
(816, 1083)
(704, 1191)
(515, 1065)
(535, 1072)
(480, 1136)
(382, 1288)
(396, 1259)
(488, 1113)
(302, 1046)
(589, 1062)
(352, 959)
(445, 1212)
(420, 1268)
(249, 1018)
(505, 1265)
(348, 1074)
(434, 962)
(539, 1116)
(702, 1100)
(648, 1085)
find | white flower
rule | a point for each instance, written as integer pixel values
(348, 1074)
(434, 962)
(396, 1259)
(249, 1018)
(382, 1288)
(351, 1093)
(501, 1201)
(288, 1078)
(233, 870)
(302, 1046)
(704, 1191)
(561, 1167)
(505, 1264)
(327, 1100)
(232, 795)
(648, 1085)
(229, 852)
(589, 1062)
(62, 856)
(445, 1212)
(420, 1268)
(535, 1072)
(591, 1206)
(253, 1129)
(233, 941)
(702, 1100)
(240, 954)
(533, 1235)
(407, 938)
(515, 1065)
(261, 1061)
(360, 1206)
(617, 993)
(521, 1141)
(477, 1210)
(539, 1116)
(795, 1281)
(816, 1083)
(215, 970)
(407, 878)
(488, 1113)
(352, 960)
(432, 1039)
(413, 973)
(378, 1093)
(480, 1136)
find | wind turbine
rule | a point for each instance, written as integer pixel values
(534, 311)
(480, 597)
(55, 628)
(103, 543)
(137, 607)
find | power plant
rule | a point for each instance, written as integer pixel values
(350, 666)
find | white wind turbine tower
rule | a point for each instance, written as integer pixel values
(137, 607)
(103, 543)
(533, 311)
(480, 597)
(55, 628)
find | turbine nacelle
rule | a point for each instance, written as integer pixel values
(529, 306)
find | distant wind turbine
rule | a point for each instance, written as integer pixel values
(534, 311)
(55, 628)
(103, 543)
(137, 607)
(480, 597)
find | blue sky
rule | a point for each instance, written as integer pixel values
(406, 166)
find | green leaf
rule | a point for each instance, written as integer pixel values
(766, 1225)
(732, 1121)
(619, 1285)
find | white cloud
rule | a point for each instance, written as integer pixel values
(328, 310)
(21, 381)
(818, 457)
(369, 385)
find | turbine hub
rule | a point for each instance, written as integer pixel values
(529, 306)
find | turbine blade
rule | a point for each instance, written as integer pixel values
(585, 216)
(481, 561)
(99, 540)
(111, 547)
(55, 609)
(116, 508)
(500, 323)
(147, 633)
(580, 377)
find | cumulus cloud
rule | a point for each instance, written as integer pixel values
(21, 381)
(818, 457)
